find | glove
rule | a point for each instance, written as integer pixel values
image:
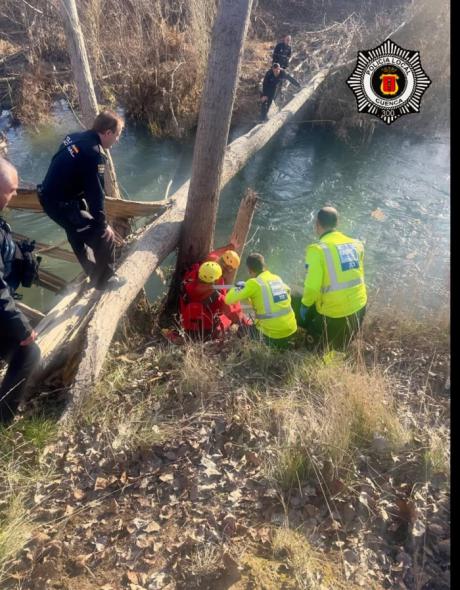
(303, 311)
(240, 285)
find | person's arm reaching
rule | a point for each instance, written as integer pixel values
(235, 295)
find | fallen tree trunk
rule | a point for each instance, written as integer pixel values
(154, 244)
(60, 329)
(28, 199)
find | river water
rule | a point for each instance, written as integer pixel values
(392, 192)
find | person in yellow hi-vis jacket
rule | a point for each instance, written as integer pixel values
(334, 297)
(270, 297)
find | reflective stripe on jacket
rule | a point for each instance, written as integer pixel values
(335, 275)
(271, 299)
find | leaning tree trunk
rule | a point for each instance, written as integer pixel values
(213, 127)
(86, 94)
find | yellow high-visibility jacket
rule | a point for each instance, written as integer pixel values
(271, 300)
(335, 275)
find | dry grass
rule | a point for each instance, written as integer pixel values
(310, 569)
(205, 560)
(15, 529)
(325, 413)
(437, 455)
(197, 373)
(20, 472)
(319, 417)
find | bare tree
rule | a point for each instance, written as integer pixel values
(224, 64)
(84, 82)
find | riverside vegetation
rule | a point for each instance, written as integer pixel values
(149, 56)
(222, 465)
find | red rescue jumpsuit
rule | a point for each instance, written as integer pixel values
(203, 309)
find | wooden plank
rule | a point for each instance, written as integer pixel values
(33, 315)
(51, 281)
(28, 199)
(47, 250)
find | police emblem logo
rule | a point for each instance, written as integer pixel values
(73, 150)
(388, 81)
(101, 168)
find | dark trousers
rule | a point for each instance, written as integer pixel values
(265, 107)
(22, 361)
(85, 237)
(254, 334)
(332, 333)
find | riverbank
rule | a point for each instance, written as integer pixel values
(235, 466)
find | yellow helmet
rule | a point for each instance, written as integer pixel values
(231, 259)
(209, 272)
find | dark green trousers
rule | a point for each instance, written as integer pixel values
(255, 334)
(328, 333)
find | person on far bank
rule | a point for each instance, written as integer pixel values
(334, 297)
(273, 79)
(270, 298)
(282, 52)
(72, 194)
(17, 338)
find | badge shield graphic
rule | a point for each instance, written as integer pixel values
(388, 81)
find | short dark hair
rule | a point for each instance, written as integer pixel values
(276, 65)
(328, 217)
(255, 262)
(107, 121)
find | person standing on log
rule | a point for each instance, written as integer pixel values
(282, 52)
(334, 298)
(274, 77)
(17, 338)
(72, 195)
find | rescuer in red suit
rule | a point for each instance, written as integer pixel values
(202, 307)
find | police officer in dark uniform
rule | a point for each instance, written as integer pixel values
(272, 80)
(282, 52)
(17, 338)
(72, 194)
